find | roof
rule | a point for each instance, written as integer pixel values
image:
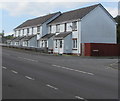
(13, 38)
(47, 36)
(28, 37)
(75, 14)
(36, 21)
(62, 35)
(19, 38)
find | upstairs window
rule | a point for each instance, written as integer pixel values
(50, 29)
(74, 43)
(60, 43)
(32, 30)
(38, 29)
(15, 33)
(23, 32)
(74, 25)
(65, 27)
(27, 30)
(58, 28)
(19, 33)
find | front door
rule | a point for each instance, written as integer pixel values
(60, 46)
(45, 44)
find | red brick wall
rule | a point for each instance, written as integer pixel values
(101, 49)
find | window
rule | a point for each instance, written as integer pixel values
(50, 29)
(27, 30)
(38, 29)
(58, 28)
(65, 27)
(15, 33)
(32, 30)
(23, 32)
(60, 43)
(19, 33)
(45, 43)
(74, 43)
(74, 25)
(55, 43)
(42, 43)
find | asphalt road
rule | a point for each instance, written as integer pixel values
(29, 75)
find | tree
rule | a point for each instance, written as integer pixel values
(117, 19)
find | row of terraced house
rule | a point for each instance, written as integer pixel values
(72, 32)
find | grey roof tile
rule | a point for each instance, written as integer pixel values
(29, 37)
(36, 21)
(47, 36)
(62, 35)
(73, 15)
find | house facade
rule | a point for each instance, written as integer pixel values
(85, 25)
(70, 32)
(28, 34)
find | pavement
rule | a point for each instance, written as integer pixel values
(29, 75)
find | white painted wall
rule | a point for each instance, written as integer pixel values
(98, 27)
(68, 44)
(17, 33)
(32, 42)
(25, 32)
(62, 27)
(35, 30)
(25, 43)
(53, 29)
(50, 43)
(39, 35)
(68, 26)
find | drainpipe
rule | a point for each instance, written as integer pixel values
(78, 38)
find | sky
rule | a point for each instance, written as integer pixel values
(14, 13)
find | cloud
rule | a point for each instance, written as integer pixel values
(36, 8)
(113, 11)
(59, 0)
(42, 8)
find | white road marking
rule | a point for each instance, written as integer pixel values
(73, 70)
(28, 59)
(4, 67)
(78, 97)
(52, 87)
(29, 78)
(114, 63)
(108, 67)
(14, 72)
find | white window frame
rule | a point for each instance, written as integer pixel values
(74, 44)
(18, 32)
(50, 28)
(56, 44)
(65, 27)
(32, 30)
(74, 25)
(42, 44)
(38, 29)
(23, 32)
(57, 28)
(28, 31)
(60, 43)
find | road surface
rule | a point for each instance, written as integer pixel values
(30, 75)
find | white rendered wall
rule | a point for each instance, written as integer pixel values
(53, 29)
